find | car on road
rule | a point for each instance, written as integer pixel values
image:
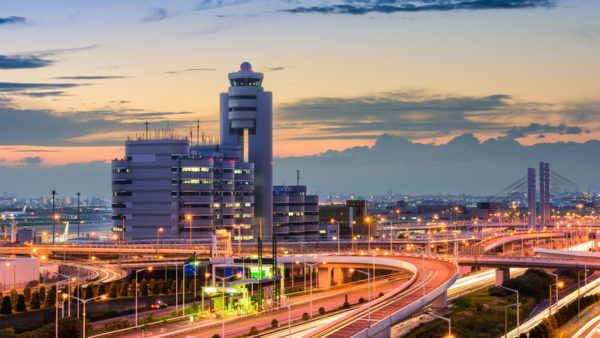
(159, 304)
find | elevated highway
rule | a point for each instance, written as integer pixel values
(529, 262)
(432, 277)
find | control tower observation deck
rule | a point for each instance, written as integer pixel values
(247, 120)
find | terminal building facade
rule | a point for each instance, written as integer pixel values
(183, 190)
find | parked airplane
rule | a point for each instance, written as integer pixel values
(65, 236)
(13, 214)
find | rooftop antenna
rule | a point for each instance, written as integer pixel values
(198, 132)
(146, 129)
(297, 177)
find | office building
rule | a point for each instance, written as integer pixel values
(351, 216)
(295, 214)
(185, 191)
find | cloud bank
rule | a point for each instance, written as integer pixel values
(23, 61)
(464, 165)
(12, 19)
(360, 7)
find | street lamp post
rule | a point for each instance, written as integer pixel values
(338, 234)
(136, 295)
(158, 231)
(558, 285)
(90, 245)
(84, 301)
(369, 286)
(195, 281)
(444, 318)
(368, 219)
(311, 284)
(289, 316)
(223, 279)
(189, 218)
(69, 294)
(391, 236)
(206, 275)
(517, 304)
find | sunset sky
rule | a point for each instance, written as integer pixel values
(77, 78)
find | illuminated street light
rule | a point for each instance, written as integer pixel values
(136, 295)
(84, 301)
(289, 315)
(158, 231)
(369, 286)
(446, 319)
(558, 285)
(189, 218)
(223, 279)
(338, 233)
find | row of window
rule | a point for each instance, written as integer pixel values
(121, 181)
(242, 97)
(203, 193)
(192, 169)
(121, 193)
(246, 82)
(193, 181)
(121, 170)
(234, 109)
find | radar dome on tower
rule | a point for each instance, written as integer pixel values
(246, 66)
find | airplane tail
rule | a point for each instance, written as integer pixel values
(24, 208)
(66, 234)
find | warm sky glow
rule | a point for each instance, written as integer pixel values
(79, 77)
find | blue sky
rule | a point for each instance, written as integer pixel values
(79, 77)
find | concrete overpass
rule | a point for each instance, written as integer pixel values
(433, 275)
(504, 263)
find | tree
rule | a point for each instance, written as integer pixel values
(144, 287)
(153, 287)
(274, 323)
(253, 331)
(35, 303)
(216, 335)
(50, 297)
(112, 290)
(68, 327)
(101, 289)
(131, 290)
(13, 297)
(321, 310)
(305, 316)
(27, 294)
(89, 291)
(21, 307)
(123, 289)
(164, 287)
(6, 306)
(42, 292)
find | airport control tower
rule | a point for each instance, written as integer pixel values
(247, 120)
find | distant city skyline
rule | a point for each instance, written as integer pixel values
(78, 78)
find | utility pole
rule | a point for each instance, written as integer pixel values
(53, 214)
(146, 123)
(78, 221)
(198, 132)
